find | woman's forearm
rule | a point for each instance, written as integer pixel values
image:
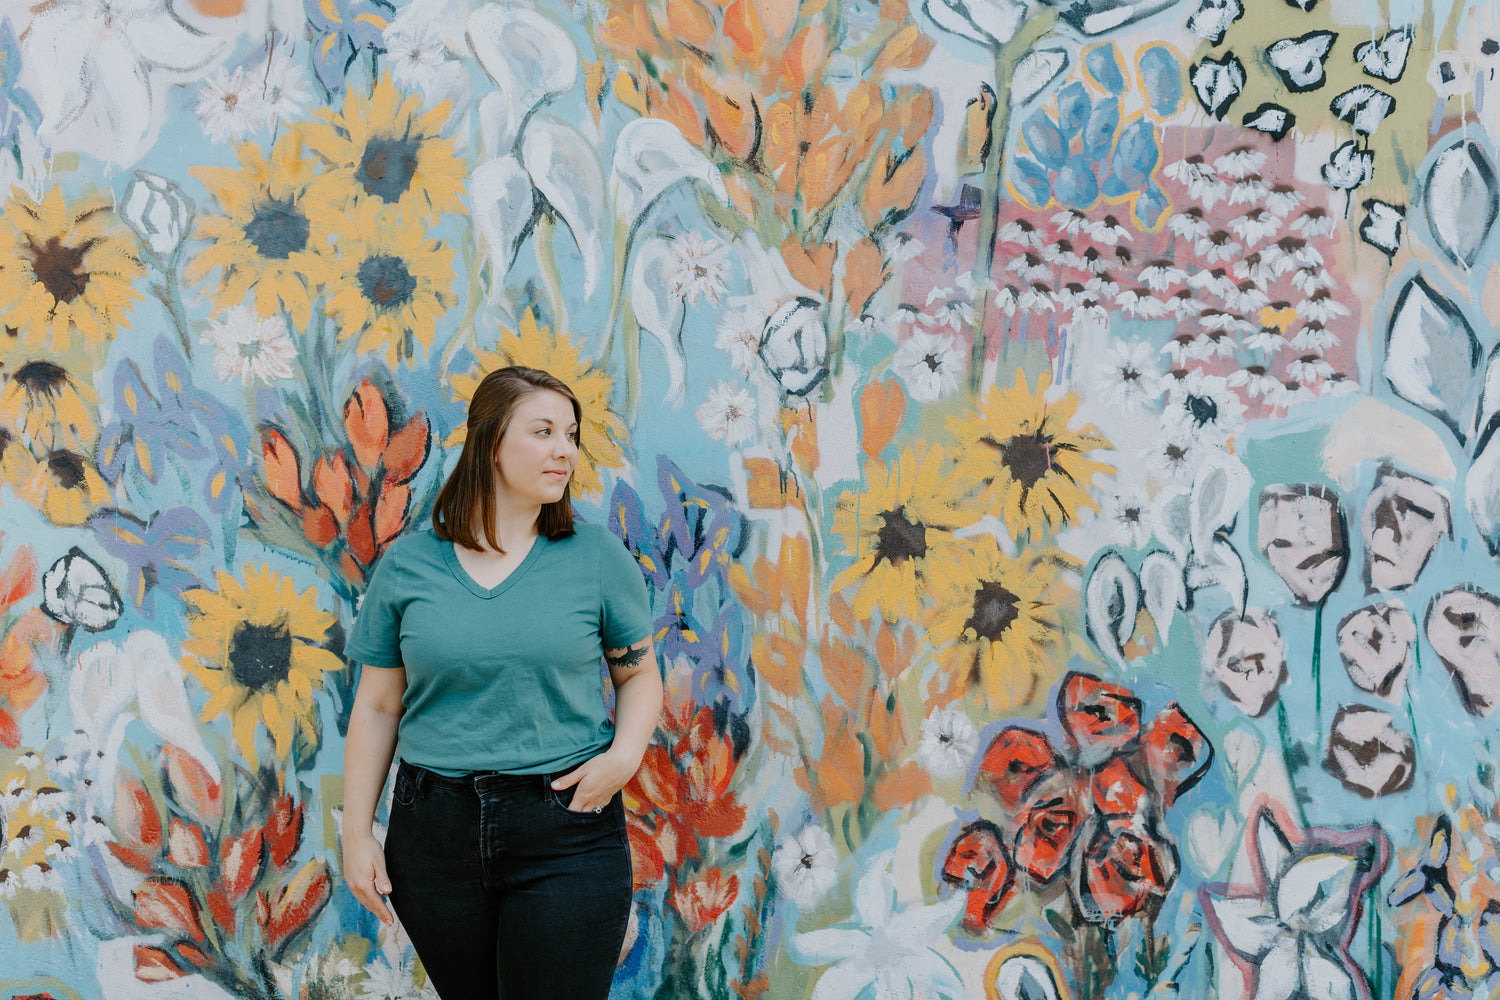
(368, 750)
(638, 700)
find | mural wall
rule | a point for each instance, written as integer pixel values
(1060, 440)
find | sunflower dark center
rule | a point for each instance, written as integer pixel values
(260, 656)
(66, 468)
(385, 281)
(41, 376)
(899, 538)
(387, 168)
(1203, 409)
(59, 267)
(1029, 457)
(995, 609)
(278, 229)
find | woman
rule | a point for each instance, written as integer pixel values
(506, 858)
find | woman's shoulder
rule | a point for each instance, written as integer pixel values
(413, 548)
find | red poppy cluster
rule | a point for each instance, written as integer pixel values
(679, 796)
(175, 893)
(363, 504)
(1089, 817)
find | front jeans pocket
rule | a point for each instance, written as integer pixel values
(405, 792)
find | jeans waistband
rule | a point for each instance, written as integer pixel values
(477, 780)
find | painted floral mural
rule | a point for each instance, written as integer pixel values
(1059, 439)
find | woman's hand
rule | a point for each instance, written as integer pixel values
(364, 870)
(598, 779)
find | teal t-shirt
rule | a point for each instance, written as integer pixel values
(507, 678)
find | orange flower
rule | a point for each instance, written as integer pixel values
(22, 681)
(837, 776)
(154, 965)
(704, 899)
(193, 788)
(187, 848)
(165, 903)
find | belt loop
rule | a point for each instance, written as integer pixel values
(418, 778)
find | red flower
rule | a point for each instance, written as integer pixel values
(977, 862)
(283, 831)
(701, 901)
(296, 904)
(166, 903)
(1094, 812)
(186, 846)
(153, 965)
(239, 864)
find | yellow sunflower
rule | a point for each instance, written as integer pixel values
(383, 147)
(1024, 461)
(390, 284)
(896, 526)
(64, 486)
(48, 407)
(66, 268)
(602, 437)
(267, 240)
(996, 620)
(257, 649)
(17, 463)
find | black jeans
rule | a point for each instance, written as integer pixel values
(506, 892)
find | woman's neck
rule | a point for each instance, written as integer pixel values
(515, 526)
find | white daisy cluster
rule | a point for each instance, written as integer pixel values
(236, 102)
(39, 829)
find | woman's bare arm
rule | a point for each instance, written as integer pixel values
(368, 750)
(638, 700)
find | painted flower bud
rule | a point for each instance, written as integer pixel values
(1376, 644)
(1368, 753)
(1301, 533)
(1463, 626)
(794, 346)
(77, 593)
(1404, 519)
(1247, 660)
(158, 211)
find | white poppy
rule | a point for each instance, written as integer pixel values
(949, 742)
(77, 592)
(930, 365)
(230, 106)
(739, 337)
(256, 349)
(806, 865)
(699, 268)
(728, 414)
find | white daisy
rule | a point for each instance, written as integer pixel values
(1211, 280)
(1254, 380)
(1240, 162)
(1180, 348)
(699, 267)
(1211, 414)
(231, 105)
(1282, 199)
(972, 288)
(1036, 299)
(1127, 510)
(728, 414)
(15, 792)
(1103, 285)
(415, 51)
(1189, 224)
(953, 313)
(1308, 280)
(1314, 223)
(806, 866)
(1128, 377)
(865, 326)
(250, 346)
(1061, 253)
(1218, 246)
(1174, 454)
(50, 799)
(1211, 344)
(384, 981)
(1161, 275)
(1308, 369)
(739, 337)
(1247, 297)
(1250, 190)
(1339, 384)
(1029, 267)
(903, 247)
(1202, 182)
(1321, 306)
(949, 742)
(1252, 267)
(1006, 300)
(63, 766)
(286, 88)
(61, 852)
(930, 364)
(1021, 233)
(1291, 394)
(1094, 262)
(9, 883)
(28, 760)
(1110, 232)
(1254, 226)
(24, 839)
(1071, 222)
(1314, 337)
(1267, 338)
(1184, 305)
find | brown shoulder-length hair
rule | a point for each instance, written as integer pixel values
(464, 504)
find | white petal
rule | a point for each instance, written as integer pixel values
(922, 925)
(657, 310)
(829, 945)
(163, 42)
(1247, 924)
(529, 57)
(843, 982)
(652, 156)
(565, 168)
(500, 192)
(1279, 977)
(101, 686)
(1323, 978)
(1275, 850)
(1314, 895)
(52, 60)
(875, 893)
(124, 99)
(163, 698)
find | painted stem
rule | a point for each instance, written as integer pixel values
(1006, 58)
(1317, 673)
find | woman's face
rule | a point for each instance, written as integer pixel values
(539, 449)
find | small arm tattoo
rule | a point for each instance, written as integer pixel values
(625, 659)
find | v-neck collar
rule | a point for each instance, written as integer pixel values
(450, 556)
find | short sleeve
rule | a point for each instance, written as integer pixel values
(625, 605)
(376, 636)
